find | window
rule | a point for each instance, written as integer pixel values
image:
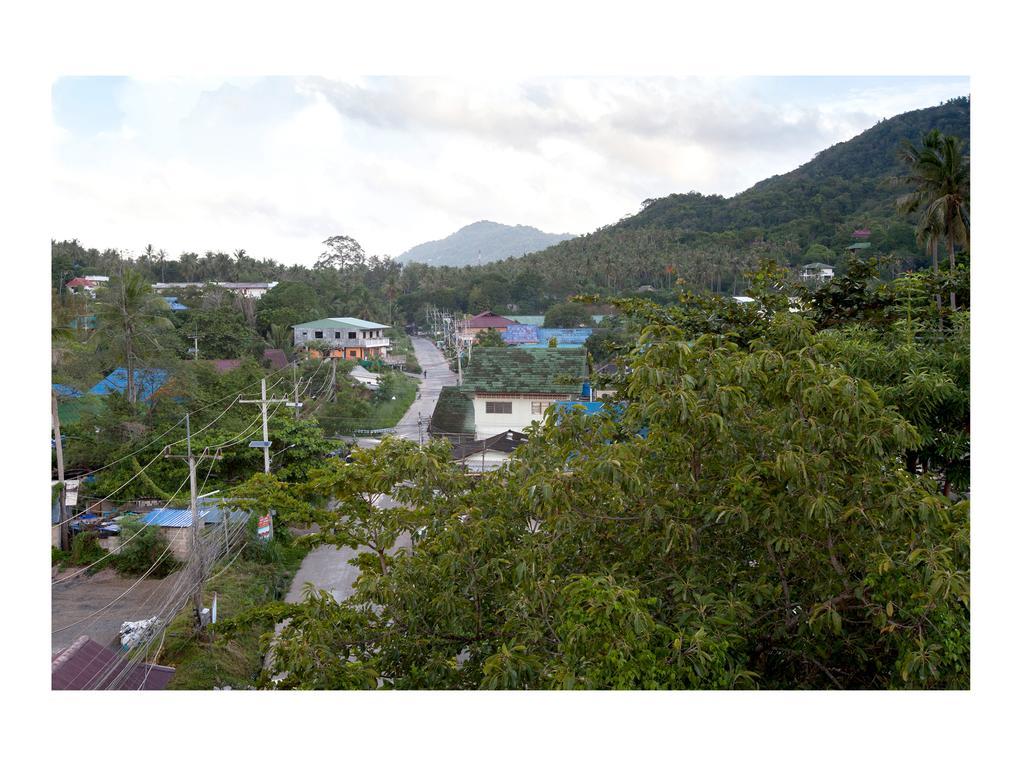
(536, 408)
(337, 334)
(351, 334)
(497, 407)
(318, 334)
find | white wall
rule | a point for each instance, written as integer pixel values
(491, 424)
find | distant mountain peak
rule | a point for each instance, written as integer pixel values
(482, 242)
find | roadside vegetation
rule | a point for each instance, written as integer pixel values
(260, 575)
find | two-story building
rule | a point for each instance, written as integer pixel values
(348, 338)
(512, 387)
(818, 271)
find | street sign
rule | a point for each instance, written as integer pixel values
(259, 443)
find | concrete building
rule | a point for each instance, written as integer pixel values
(346, 337)
(512, 387)
(818, 271)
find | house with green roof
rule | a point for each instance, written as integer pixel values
(511, 387)
(349, 338)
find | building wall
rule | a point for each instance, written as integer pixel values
(491, 424)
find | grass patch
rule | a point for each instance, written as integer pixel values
(401, 344)
(387, 412)
(262, 574)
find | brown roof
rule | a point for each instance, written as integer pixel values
(223, 366)
(277, 358)
(86, 664)
(489, 320)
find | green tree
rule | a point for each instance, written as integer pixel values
(490, 338)
(743, 518)
(129, 316)
(567, 315)
(940, 177)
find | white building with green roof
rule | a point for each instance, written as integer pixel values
(349, 338)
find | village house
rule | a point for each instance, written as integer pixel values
(86, 285)
(477, 324)
(818, 271)
(512, 387)
(348, 338)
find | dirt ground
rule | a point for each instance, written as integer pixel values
(77, 598)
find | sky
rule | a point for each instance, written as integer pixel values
(275, 165)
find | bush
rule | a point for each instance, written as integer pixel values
(84, 549)
(146, 546)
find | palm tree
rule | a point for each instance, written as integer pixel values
(128, 314)
(940, 176)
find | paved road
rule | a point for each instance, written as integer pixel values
(328, 567)
(438, 375)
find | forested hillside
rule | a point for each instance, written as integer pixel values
(480, 243)
(708, 241)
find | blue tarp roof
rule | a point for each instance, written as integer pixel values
(147, 382)
(173, 303)
(66, 391)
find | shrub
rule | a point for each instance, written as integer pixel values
(84, 549)
(142, 546)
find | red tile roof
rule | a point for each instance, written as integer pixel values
(86, 664)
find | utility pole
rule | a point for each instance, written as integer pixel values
(195, 339)
(296, 382)
(63, 516)
(194, 554)
(265, 442)
(334, 375)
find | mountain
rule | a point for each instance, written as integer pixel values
(481, 243)
(710, 241)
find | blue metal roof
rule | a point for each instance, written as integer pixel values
(147, 382)
(520, 334)
(66, 391)
(565, 336)
(182, 518)
(172, 518)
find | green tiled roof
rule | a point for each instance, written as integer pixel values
(453, 413)
(348, 323)
(511, 369)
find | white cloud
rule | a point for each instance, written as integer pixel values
(275, 165)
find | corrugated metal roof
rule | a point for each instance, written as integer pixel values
(343, 322)
(565, 336)
(276, 357)
(520, 334)
(489, 320)
(86, 662)
(173, 518)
